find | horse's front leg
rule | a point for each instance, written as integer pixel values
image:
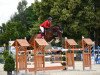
(59, 34)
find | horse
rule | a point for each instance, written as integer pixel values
(52, 33)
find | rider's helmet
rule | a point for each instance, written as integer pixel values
(50, 18)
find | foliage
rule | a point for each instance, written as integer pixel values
(5, 54)
(1, 58)
(35, 29)
(78, 17)
(9, 64)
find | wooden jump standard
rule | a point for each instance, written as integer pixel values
(70, 44)
(86, 44)
(39, 56)
(21, 54)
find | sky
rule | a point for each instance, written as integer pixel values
(8, 8)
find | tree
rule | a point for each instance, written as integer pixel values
(9, 65)
(74, 14)
(97, 22)
(78, 18)
(22, 6)
(19, 25)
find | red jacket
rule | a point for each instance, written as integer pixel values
(46, 24)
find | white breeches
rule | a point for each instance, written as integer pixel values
(42, 29)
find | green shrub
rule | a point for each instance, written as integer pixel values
(5, 54)
(9, 65)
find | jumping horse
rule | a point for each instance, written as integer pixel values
(50, 34)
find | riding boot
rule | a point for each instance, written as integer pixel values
(42, 35)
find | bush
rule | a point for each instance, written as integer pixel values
(9, 65)
(1, 59)
(5, 54)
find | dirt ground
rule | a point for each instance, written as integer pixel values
(78, 70)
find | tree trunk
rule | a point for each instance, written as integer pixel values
(9, 72)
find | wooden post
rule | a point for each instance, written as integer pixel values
(25, 59)
(70, 44)
(73, 47)
(83, 60)
(35, 64)
(43, 58)
(83, 52)
(16, 56)
(86, 44)
(21, 59)
(39, 54)
(90, 55)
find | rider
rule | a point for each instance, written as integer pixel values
(45, 25)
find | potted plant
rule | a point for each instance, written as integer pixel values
(9, 65)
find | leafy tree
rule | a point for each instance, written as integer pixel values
(9, 65)
(78, 18)
(97, 21)
(22, 6)
(20, 23)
